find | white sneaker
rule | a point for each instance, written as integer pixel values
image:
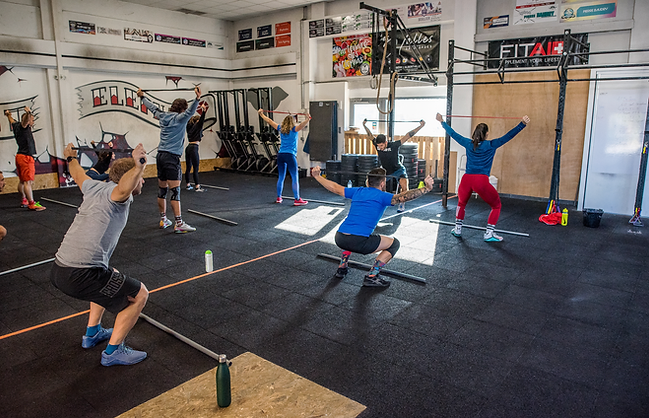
(165, 223)
(183, 228)
(492, 237)
(401, 207)
(456, 232)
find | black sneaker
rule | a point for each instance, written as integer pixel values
(341, 272)
(375, 281)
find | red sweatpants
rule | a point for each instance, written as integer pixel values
(478, 183)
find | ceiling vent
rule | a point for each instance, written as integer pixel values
(191, 12)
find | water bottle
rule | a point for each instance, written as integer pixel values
(209, 261)
(349, 183)
(564, 217)
(223, 397)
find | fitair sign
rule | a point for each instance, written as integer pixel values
(541, 51)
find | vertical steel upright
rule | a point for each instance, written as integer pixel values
(449, 112)
(562, 70)
(639, 193)
(392, 18)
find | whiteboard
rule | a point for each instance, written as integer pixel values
(617, 113)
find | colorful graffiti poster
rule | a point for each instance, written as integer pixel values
(352, 56)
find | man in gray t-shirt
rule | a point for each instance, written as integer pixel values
(81, 268)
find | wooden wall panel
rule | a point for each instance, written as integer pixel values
(524, 165)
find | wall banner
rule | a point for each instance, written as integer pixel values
(245, 46)
(167, 39)
(496, 21)
(282, 28)
(282, 40)
(264, 31)
(352, 56)
(572, 11)
(547, 49)
(245, 34)
(138, 35)
(426, 40)
(82, 27)
(535, 11)
(316, 28)
(194, 42)
(265, 43)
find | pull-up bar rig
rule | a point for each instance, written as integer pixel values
(562, 73)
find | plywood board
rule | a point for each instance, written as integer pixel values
(259, 389)
(524, 165)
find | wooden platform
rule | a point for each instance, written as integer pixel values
(259, 389)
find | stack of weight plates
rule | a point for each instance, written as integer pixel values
(409, 152)
(332, 170)
(421, 169)
(366, 162)
(349, 168)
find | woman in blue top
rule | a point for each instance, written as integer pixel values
(479, 158)
(287, 155)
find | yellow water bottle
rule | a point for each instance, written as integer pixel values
(564, 217)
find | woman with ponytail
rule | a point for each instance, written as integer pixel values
(479, 158)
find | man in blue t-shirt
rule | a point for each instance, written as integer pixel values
(356, 234)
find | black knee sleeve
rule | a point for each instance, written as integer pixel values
(162, 192)
(175, 193)
(392, 249)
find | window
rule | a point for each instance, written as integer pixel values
(404, 110)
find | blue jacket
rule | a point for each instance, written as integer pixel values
(172, 126)
(479, 161)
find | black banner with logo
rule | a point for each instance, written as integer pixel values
(426, 40)
(545, 50)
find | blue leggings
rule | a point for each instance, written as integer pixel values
(287, 161)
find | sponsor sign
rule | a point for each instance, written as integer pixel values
(245, 34)
(352, 56)
(333, 25)
(167, 39)
(545, 50)
(282, 40)
(589, 10)
(535, 11)
(215, 45)
(496, 21)
(194, 42)
(282, 28)
(264, 31)
(422, 12)
(82, 27)
(108, 31)
(265, 43)
(245, 46)
(426, 39)
(138, 35)
(316, 28)
(356, 22)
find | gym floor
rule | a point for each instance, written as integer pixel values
(554, 325)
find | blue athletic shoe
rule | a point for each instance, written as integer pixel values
(124, 356)
(101, 335)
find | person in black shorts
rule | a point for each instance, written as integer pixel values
(81, 268)
(172, 137)
(388, 152)
(194, 137)
(356, 233)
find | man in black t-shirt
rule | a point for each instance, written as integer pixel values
(25, 166)
(388, 152)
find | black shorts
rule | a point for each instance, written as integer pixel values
(105, 287)
(168, 166)
(357, 243)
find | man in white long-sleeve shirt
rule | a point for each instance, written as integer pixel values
(172, 139)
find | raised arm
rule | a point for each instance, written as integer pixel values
(413, 132)
(303, 124)
(147, 103)
(196, 128)
(77, 172)
(8, 115)
(328, 184)
(267, 119)
(367, 130)
(132, 178)
(499, 142)
(465, 142)
(414, 193)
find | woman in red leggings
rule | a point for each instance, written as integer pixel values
(479, 158)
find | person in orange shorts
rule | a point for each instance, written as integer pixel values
(25, 157)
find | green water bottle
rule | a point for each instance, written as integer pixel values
(223, 397)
